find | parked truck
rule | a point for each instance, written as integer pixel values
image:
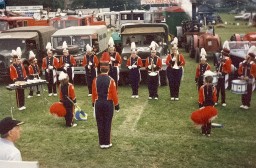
(77, 37)
(32, 38)
(143, 34)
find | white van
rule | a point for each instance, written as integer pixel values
(77, 37)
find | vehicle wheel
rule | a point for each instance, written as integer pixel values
(192, 49)
(73, 49)
(187, 48)
(197, 54)
(192, 53)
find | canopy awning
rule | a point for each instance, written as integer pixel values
(143, 30)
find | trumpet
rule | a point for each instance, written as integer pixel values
(175, 66)
(152, 73)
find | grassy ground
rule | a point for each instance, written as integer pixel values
(144, 133)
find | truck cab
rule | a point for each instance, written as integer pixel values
(28, 38)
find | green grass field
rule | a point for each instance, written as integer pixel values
(145, 133)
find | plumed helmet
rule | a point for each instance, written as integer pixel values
(153, 46)
(133, 47)
(14, 53)
(252, 51)
(19, 52)
(58, 109)
(62, 76)
(88, 48)
(203, 54)
(65, 46)
(208, 73)
(32, 56)
(111, 42)
(174, 43)
(225, 48)
(48, 46)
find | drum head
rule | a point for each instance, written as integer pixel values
(152, 74)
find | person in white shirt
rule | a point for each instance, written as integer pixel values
(10, 133)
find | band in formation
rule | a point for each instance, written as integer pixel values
(102, 77)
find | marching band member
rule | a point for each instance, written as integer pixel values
(90, 62)
(114, 59)
(223, 70)
(134, 63)
(68, 98)
(153, 65)
(34, 72)
(247, 72)
(67, 62)
(207, 92)
(18, 73)
(104, 101)
(201, 68)
(175, 63)
(50, 64)
(207, 97)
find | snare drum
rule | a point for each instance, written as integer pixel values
(152, 74)
(215, 79)
(239, 86)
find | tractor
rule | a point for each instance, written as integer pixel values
(211, 42)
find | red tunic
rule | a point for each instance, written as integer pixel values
(112, 92)
(55, 63)
(14, 74)
(72, 61)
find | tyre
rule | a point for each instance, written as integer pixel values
(186, 48)
(197, 54)
(192, 53)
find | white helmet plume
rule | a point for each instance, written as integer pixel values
(153, 45)
(31, 55)
(203, 54)
(252, 50)
(88, 48)
(63, 76)
(48, 46)
(175, 41)
(208, 73)
(19, 52)
(226, 45)
(64, 45)
(111, 42)
(14, 52)
(133, 46)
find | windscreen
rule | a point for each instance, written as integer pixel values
(7, 45)
(81, 41)
(58, 41)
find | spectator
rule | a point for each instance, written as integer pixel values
(10, 133)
